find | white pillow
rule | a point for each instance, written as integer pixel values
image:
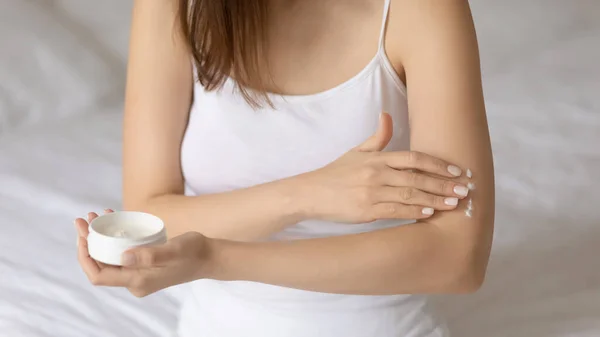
(48, 67)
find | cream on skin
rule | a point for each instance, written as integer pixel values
(470, 186)
(469, 210)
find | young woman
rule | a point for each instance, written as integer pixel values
(254, 128)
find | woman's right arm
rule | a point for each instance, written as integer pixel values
(158, 98)
(361, 186)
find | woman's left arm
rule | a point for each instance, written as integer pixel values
(446, 253)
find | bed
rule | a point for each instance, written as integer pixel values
(62, 68)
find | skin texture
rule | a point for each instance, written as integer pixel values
(433, 45)
(159, 85)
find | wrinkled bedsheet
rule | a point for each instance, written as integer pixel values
(62, 72)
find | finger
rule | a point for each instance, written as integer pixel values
(420, 161)
(114, 276)
(89, 266)
(424, 182)
(91, 216)
(388, 210)
(108, 275)
(413, 196)
(381, 138)
(108, 210)
(82, 227)
(83, 231)
(153, 256)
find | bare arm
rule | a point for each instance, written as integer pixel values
(159, 94)
(449, 251)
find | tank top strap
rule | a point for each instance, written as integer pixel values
(386, 9)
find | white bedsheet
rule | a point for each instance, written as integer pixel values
(60, 157)
(48, 175)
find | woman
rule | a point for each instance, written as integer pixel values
(274, 133)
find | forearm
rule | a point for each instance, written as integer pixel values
(415, 258)
(249, 214)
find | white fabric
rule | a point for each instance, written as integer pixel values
(541, 74)
(60, 158)
(39, 47)
(228, 146)
(50, 174)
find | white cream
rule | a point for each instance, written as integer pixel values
(126, 230)
(121, 233)
(469, 210)
(470, 186)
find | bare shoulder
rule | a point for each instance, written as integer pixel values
(420, 13)
(417, 24)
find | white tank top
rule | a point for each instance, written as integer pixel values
(228, 145)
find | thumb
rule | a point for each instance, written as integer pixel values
(381, 138)
(149, 256)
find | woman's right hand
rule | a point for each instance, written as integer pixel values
(366, 184)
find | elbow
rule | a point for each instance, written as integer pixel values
(134, 204)
(466, 276)
(138, 204)
(465, 262)
(466, 282)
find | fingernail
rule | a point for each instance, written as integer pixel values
(451, 201)
(128, 259)
(471, 186)
(454, 170)
(427, 211)
(461, 190)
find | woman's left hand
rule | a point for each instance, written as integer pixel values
(146, 269)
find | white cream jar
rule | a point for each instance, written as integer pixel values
(114, 233)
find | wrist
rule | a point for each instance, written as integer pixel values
(222, 260)
(208, 264)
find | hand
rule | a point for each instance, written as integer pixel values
(366, 184)
(148, 269)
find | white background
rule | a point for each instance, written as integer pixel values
(62, 67)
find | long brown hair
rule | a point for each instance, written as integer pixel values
(228, 38)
